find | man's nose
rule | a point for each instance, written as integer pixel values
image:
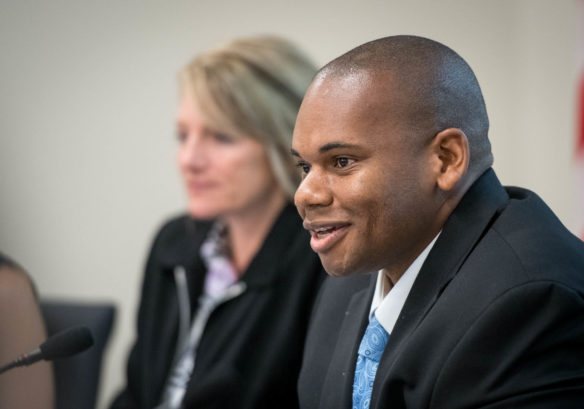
(313, 191)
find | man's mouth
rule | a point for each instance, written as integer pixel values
(323, 231)
(325, 235)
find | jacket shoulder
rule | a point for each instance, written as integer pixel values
(180, 227)
(177, 237)
(542, 246)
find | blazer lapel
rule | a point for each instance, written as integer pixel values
(460, 234)
(338, 385)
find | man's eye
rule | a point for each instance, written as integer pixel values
(303, 166)
(342, 162)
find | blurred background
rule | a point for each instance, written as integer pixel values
(88, 95)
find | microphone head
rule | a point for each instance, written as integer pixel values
(68, 342)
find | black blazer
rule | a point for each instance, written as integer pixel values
(495, 318)
(250, 353)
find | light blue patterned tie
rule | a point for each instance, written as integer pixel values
(370, 351)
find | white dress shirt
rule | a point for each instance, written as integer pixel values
(388, 302)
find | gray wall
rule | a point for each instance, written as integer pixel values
(88, 98)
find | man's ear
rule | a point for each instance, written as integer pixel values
(451, 148)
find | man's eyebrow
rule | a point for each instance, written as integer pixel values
(327, 147)
(335, 145)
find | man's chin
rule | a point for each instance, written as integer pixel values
(335, 269)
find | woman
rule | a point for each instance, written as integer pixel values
(229, 287)
(21, 330)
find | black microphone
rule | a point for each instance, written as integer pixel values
(68, 342)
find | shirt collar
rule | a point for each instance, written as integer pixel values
(388, 307)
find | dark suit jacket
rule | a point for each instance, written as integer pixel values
(495, 318)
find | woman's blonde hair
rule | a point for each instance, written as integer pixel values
(253, 87)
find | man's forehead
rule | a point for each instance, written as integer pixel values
(372, 92)
(352, 81)
(360, 97)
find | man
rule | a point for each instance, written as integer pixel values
(449, 291)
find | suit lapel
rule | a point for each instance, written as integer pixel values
(460, 234)
(340, 374)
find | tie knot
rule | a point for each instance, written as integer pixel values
(374, 340)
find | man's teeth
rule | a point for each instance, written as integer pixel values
(319, 229)
(323, 231)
